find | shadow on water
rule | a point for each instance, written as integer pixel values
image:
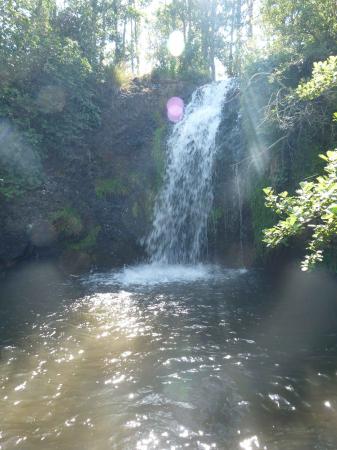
(32, 290)
(206, 358)
(299, 333)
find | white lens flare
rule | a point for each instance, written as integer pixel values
(176, 43)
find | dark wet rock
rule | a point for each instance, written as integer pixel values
(94, 204)
(228, 233)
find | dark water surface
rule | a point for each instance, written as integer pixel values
(157, 358)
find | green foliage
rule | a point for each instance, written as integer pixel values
(20, 164)
(298, 33)
(69, 226)
(300, 29)
(120, 76)
(324, 78)
(108, 31)
(67, 222)
(52, 62)
(198, 76)
(12, 187)
(261, 217)
(110, 186)
(313, 210)
(47, 98)
(89, 242)
(213, 29)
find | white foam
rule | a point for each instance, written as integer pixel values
(155, 273)
(150, 274)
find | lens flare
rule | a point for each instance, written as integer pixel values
(176, 43)
(175, 109)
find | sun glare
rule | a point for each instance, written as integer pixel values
(176, 43)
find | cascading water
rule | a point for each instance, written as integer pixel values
(183, 206)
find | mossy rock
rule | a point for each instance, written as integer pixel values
(262, 217)
(67, 222)
(87, 243)
(110, 187)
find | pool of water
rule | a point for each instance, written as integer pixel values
(156, 357)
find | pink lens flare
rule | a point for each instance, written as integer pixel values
(175, 109)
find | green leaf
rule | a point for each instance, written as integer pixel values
(332, 155)
(333, 209)
(292, 219)
(267, 190)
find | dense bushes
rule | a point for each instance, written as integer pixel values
(289, 120)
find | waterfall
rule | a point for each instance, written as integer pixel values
(179, 231)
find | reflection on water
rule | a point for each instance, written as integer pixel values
(209, 358)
